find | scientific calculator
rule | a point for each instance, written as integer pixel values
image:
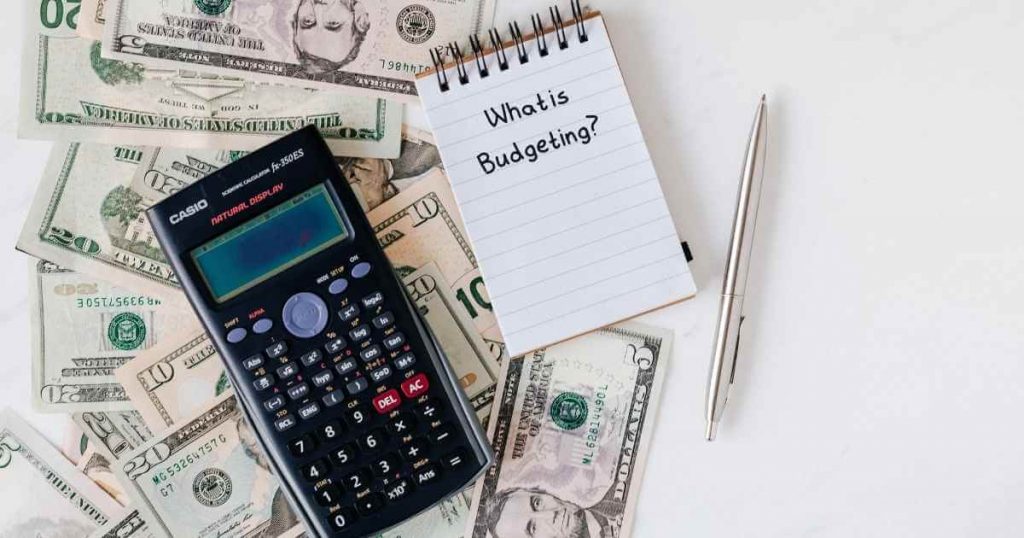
(348, 392)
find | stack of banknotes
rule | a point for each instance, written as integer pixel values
(143, 97)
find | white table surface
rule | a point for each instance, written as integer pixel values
(879, 389)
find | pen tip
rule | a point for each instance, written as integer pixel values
(764, 98)
(712, 428)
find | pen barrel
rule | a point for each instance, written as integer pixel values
(723, 360)
(747, 204)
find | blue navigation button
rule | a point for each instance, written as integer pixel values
(236, 335)
(262, 326)
(361, 270)
(338, 286)
(304, 315)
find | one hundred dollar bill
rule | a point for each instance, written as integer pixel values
(359, 46)
(44, 496)
(207, 477)
(83, 329)
(174, 380)
(467, 352)
(422, 224)
(91, 19)
(86, 217)
(570, 429)
(70, 92)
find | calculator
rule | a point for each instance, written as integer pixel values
(347, 390)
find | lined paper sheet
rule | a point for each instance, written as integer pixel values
(557, 190)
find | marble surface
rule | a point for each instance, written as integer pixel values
(879, 387)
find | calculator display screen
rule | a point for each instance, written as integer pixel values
(270, 243)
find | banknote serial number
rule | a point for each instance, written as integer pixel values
(184, 461)
(399, 66)
(116, 302)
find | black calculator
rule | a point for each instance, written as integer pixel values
(348, 392)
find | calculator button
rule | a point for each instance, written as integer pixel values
(284, 423)
(454, 459)
(361, 270)
(394, 341)
(330, 431)
(275, 403)
(415, 386)
(373, 441)
(415, 450)
(236, 335)
(316, 470)
(385, 466)
(402, 424)
(253, 362)
(333, 398)
(311, 358)
(327, 494)
(370, 504)
(357, 385)
(344, 455)
(262, 326)
(309, 410)
(342, 519)
(263, 383)
(429, 410)
(405, 361)
(380, 374)
(348, 313)
(304, 315)
(346, 366)
(322, 378)
(374, 299)
(360, 333)
(287, 371)
(425, 475)
(337, 286)
(297, 392)
(335, 346)
(442, 434)
(398, 489)
(358, 480)
(386, 402)
(384, 320)
(356, 416)
(371, 353)
(302, 446)
(276, 350)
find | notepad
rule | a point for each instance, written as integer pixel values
(555, 184)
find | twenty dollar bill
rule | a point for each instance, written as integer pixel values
(570, 429)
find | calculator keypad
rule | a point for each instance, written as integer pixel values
(372, 430)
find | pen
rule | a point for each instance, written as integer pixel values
(730, 316)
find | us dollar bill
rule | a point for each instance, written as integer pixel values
(571, 429)
(207, 477)
(366, 47)
(44, 496)
(421, 225)
(97, 468)
(174, 380)
(91, 19)
(86, 217)
(70, 92)
(83, 329)
(467, 352)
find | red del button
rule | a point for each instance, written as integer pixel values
(387, 401)
(415, 386)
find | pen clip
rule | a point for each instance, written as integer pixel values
(736, 349)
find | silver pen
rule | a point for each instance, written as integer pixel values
(730, 316)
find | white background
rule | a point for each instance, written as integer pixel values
(880, 384)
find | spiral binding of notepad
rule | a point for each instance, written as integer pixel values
(498, 45)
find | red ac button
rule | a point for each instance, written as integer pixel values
(415, 385)
(387, 401)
